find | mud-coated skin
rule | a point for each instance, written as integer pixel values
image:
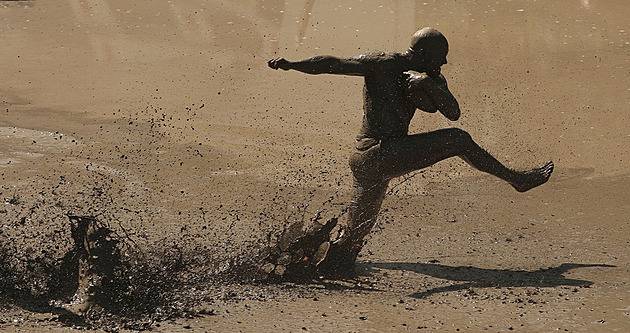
(390, 99)
(396, 84)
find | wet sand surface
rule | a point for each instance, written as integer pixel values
(163, 119)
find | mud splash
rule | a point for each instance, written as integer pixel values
(104, 280)
(75, 254)
(99, 238)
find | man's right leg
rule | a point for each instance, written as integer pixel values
(364, 207)
(369, 189)
(414, 152)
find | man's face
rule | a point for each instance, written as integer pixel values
(433, 58)
(429, 56)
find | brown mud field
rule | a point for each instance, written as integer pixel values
(161, 121)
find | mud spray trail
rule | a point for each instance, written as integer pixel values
(155, 173)
(102, 247)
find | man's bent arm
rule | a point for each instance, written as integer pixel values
(322, 65)
(437, 90)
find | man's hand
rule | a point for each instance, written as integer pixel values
(416, 79)
(280, 63)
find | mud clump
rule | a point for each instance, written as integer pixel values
(295, 256)
(302, 255)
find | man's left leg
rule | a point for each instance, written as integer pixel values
(400, 156)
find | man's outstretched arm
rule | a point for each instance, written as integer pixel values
(322, 65)
(436, 89)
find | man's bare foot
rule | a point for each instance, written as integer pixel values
(534, 177)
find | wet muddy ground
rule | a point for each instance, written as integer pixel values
(163, 121)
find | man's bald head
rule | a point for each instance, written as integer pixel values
(427, 38)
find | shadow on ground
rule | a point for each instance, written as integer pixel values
(473, 277)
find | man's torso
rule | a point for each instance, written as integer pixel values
(387, 111)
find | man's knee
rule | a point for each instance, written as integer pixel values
(459, 135)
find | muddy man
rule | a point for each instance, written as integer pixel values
(396, 84)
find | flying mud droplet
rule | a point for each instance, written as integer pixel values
(268, 267)
(321, 253)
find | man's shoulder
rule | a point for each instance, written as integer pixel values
(378, 56)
